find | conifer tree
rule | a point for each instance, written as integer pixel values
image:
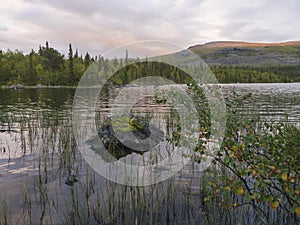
(71, 65)
(32, 76)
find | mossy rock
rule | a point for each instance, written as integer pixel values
(123, 135)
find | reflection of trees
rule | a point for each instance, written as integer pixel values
(35, 99)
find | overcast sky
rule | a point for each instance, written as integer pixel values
(97, 25)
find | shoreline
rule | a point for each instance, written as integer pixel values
(38, 87)
(21, 87)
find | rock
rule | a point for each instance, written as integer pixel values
(17, 86)
(71, 180)
(124, 135)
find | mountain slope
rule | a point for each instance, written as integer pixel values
(249, 54)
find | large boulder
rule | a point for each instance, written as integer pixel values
(123, 135)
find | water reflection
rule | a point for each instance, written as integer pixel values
(38, 120)
(271, 102)
(35, 99)
(47, 107)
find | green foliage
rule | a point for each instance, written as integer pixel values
(256, 74)
(71, 66)
(52, 60)
(257, 164)
(126, 124)
(47, 67)
(138, 70)
(252, 64)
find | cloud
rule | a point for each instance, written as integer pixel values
(97, 25)
(265, 21)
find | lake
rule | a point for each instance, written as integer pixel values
(45, 180)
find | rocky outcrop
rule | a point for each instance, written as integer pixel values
(124, 135)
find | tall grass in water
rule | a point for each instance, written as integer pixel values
(61, 189)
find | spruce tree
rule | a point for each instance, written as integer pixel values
(87, 60)
(32, 76)
(71, 66)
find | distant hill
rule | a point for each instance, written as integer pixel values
(228, 44)
(249, 54)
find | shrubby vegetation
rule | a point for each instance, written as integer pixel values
(257, 166)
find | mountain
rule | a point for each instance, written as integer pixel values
(228, 44)
(249, 54)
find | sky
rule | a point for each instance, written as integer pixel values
(96, 26)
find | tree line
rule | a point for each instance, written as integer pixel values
(48, 66)
(256, 74)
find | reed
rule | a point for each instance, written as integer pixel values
(47, 137)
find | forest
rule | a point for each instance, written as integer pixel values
(49, 67)
(46, 67)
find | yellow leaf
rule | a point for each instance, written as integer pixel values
(227, 188)
(233, 148)
(231, 154)
(297, 192)
(242, 147)
(297, 211)
(240, 190)
(234, 205)
(272, 168)
(284, 176)
(275, 205)
(253, 172)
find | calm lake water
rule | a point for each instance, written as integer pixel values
(271, 102)
(35, 121)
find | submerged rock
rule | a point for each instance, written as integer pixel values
(124, 135)
(71, 180)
